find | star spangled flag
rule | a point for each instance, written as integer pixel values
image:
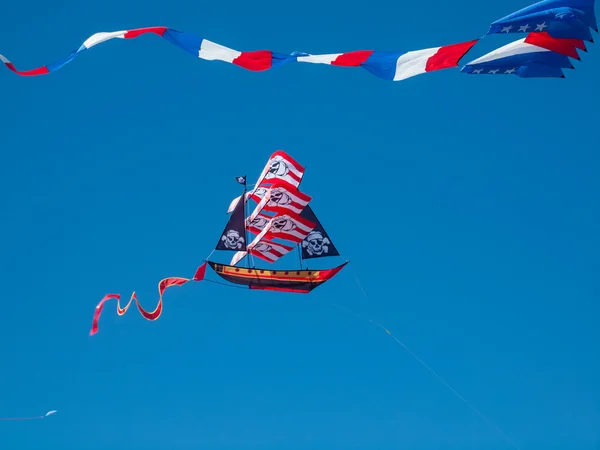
(569, 19)
(241, 180)
(522, 59)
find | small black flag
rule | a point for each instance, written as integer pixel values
(241, 180)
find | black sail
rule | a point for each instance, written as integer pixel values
(317, 244)
(234, 235)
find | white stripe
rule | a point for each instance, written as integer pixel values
(4, 60)
(293, 197)
(413, 63)
(268, 256)
(266, 175)
(260, 178)
(262, 223)
(305, 230)
(258, 208)
(272, 253)
(519, 47)
(212, 51)
(301, 230)
(237, 258)
(265, 170)
(98, 38)
(279, 248)
(233, 203)
(319, 59)
(257, 239)
(270, 178)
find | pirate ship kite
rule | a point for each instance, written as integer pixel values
(281, 221)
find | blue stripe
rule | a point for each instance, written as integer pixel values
(67, 60)
(383, 64)
(527, 71)
(573, 29)
(186, 41)
(279, 59)
(550, 59)
(539, 71)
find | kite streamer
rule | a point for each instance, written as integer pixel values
(49, 413)
(387, 65)
(562, 22)
(163, 285)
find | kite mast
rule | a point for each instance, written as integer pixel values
(298, 246)
(243, 199)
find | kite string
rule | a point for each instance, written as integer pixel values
(49, 413)
(22, 418)
(420, 361)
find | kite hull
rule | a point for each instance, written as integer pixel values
(297, 281)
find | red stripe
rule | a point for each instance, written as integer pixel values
(295, 217)
(292, 207)
(577, 43)
(293, 190)
(28, 73)
(448, 56)
(256, 61)
(269, 182)
(565, 47)
(253, 229)
(287, 235)
(352, 59)
(266, 288)
(131, 34)
(294, 176)
(289, 159)
(262, 256)
(328, 274)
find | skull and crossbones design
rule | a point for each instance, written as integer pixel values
(233, 240)
(278, 168)
(260, 192)
(259, 222)
(280, 197)
(263, 247)
(315, 244)
(283, 224)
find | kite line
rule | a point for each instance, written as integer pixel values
(425, 365)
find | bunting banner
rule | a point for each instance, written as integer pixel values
(559, 19)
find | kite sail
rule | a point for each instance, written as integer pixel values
(392, 66)
(281, 221)
(538, 55)
(570, 19)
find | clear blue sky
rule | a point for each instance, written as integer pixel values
(468, 206)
